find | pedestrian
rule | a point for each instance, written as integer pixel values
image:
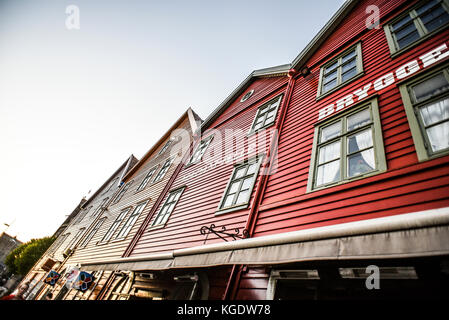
(18, 295)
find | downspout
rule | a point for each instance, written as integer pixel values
(156, 205)
(261, 186)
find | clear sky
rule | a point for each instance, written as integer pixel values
(74, 104)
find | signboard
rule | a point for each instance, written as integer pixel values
(52, 278)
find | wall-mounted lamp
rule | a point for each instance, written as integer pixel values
(305, 71)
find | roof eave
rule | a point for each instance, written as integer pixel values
(272, 71)
(322, 35)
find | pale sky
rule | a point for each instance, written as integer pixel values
(74, 104)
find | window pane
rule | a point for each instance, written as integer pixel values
(251, 168)
(348, 75)
(330, 85)
(361, 162)
(247, 183)
(426, 6)
(412, 37)
(405, 31)
(243, 197)
(437, 22)
(435, 112)
(228, 201)
(240, 173)
(348, 56)
(234, 186)
(330, 76)
(330, 68)
(328, 173)
(329, 152)
(351, 64)
(430, 87)
(439, 136)
(401, 22)
(360, 141)
(359, 119)
(271, 113)
(329, 132)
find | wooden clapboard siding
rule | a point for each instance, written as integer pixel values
(89, 219)
(116, 248)
(406, 186)
(218, 279)
(253, 284)
(79, 221)
(200, 200)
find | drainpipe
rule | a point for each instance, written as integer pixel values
(260, 188)
(167, 187)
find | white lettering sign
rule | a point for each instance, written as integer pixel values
(386, 80)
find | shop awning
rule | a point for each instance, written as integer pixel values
(417, 234)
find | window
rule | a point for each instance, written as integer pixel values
(92, 232)
(66, 236)
(200, 150)
(168, 206)
(131, 220)
(347, 147)
(340, 70)
(247, 96)
(115, 225)
(147, 178)
(76, 238)
(121, 192)
(417, 24)
(100, 208)
(163, 170)
(239, 188)
(83, 214)
(426, 102)
(111, 185)
(266, 114)
(165, 147)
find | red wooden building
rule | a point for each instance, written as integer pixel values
(358, 177)
(321, 179)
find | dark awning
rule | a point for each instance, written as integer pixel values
(417, 234)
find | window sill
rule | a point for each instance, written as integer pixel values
(254, 132)
(157, 227)
(231, 209)
(349, 180)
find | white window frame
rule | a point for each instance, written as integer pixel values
(200, 149)
(131, 220)
(257, 160)
(276, 102)
(378, 146)
(164, 216)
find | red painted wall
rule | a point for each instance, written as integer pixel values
(406, 186)
(200, 200)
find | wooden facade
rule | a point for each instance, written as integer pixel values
(264, 166)
(106, 239)
(74, 230)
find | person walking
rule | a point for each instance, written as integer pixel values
(18, 295)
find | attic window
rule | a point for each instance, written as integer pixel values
(247, 96)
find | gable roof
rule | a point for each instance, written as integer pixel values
(194, 121)
(129, 162)
(272, 71)
(323, 34)
(296, 64)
